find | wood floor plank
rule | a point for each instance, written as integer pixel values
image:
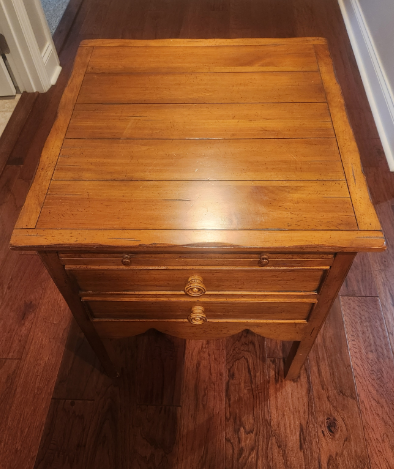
(339, 425)
(159, 369)
(278, 57)
(65, 25)
(382, 264)
(8, 373)
(80, 376)
(209, 205)
(64, 438)
(155, 430)
(14, 128)
(247, 413)
(35, 382)
(259, 159)
(185, 121)
(18, 311)
(282, 87)
(105, 443)
(373, 366)
(201, 437)
(277, 348)
(293, 427)
(360, 279)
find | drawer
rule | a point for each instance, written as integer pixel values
(194, 260)
(175, 308)
(214, 279)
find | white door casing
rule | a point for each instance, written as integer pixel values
(32, 58)
(7, 88)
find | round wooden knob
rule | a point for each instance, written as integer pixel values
(126, 260)
(263, 261)
(197, 316)
(195, 286)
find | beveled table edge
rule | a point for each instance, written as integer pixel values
(173, 240)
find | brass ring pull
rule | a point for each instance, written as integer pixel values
(195, 286)
(263, 261)
(197, 316)
(126, 260)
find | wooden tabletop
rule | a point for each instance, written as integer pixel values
(201, 143)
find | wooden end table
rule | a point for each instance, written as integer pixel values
(200, 187)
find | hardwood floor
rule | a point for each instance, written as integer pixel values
(182, 404)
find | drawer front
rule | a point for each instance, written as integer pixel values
(194, 260)
(161, 309)
(214, 280)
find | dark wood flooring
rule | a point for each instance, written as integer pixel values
(194, 404)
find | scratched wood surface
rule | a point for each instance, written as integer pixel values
(80, 373)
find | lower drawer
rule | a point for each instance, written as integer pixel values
(166, 308)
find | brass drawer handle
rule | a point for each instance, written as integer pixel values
(197, 316)
(263, 261)
(195, 286)
(126, 260)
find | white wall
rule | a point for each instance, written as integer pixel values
(379, 18)
(370, 25)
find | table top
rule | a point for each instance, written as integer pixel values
(239, 143)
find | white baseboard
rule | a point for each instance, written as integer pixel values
(372, 73)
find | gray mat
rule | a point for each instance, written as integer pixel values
(54, 10)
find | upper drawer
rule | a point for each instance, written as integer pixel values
(124, 279)
(324, 261)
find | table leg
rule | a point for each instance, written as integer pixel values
(70, 292)
(329, 291)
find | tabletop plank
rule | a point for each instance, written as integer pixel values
(202, 88)
(173, 121)
(248, 58)
(254, 159)
(198, 205)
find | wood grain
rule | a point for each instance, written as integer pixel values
(266, 18)
(36, 377)
(159, 369)
(27, 274)
(216, 280)
(63, 442)
(141, 309)
(155, 430)
(204, 88)
(247, 413)
(138, 240)
(327, 295)
(360, 280)
(201, 428)
(8, 373)
(283, 330)
(340, 430)
(248, 58)
(70, 292)
(373, 366)
(189, 121)
(14, 128)
(79, 360)
(293, 422)
(32, 207)
(158, 205)
(205, 42)
(287, 159)
(365, 213)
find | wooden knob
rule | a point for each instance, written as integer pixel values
(263, 261)
(197, 316)
(126, 260)
(195, 286)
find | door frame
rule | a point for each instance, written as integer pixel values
(32, 58)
